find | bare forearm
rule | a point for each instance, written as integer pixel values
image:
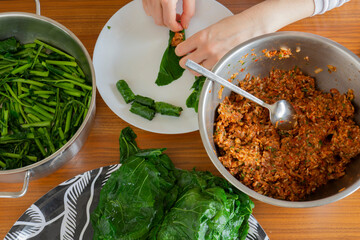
(271, 15)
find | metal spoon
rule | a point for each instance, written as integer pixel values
(282, 114)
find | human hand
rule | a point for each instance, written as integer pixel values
(209, 45)
(164, 13)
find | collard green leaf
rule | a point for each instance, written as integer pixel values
(207, 207)
(128, 146)
(151, 152)
(170, 69)
(193, 100)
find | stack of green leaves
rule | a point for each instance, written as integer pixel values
(44, 98)
(147, 198)
(145, 106)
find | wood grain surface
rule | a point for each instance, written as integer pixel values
(86, 18)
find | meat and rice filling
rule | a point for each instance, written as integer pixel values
(287, 164)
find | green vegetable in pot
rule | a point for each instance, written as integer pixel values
(193, 100)
(147, 198)
(146, 101)
(142, 110)
(125, 91)
(170, 69)
(9, 45)
(44, 98)
(168, 109)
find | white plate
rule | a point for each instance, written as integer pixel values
(130, 47)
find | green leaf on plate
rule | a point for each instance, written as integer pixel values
(170, 69)
(193, 100)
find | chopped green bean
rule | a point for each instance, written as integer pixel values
(5, 122)
(36, 124)
(36, 57)
(67, 122)
(42, 111)
(42, 117)
(29, 45)
(21, 69)
(67, 63)
(61, 133)
(28, 81)
(48, 138)
(53, 49)
(74, 93)
(33, 117)
(39, 73)
(43, 92)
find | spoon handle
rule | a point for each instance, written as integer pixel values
(212, 76)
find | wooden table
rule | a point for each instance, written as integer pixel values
(86, 18)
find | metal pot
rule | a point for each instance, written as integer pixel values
(320, 52)
(26, 27)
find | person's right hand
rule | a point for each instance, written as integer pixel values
(209, 45)
(164, 13)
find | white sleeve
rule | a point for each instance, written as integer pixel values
(322, 6)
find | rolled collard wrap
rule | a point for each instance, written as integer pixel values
(145, 101)
(125, 91)
(168, 109)
(142, 110)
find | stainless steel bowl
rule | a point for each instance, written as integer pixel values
(26, 27)
(321, 52)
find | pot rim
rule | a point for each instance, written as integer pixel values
(93, 96)
(210, 151)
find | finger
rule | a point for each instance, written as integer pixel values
(209, 63)
(157, 13)
(146, 7)
(196, 57)
(169, 16)
(187, 46)
(188, 12)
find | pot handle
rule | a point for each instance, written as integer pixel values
(21, 192)
(37, 4)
